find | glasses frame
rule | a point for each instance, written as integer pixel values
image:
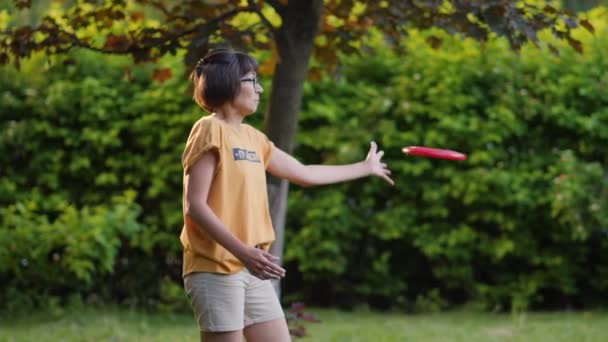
(253, 80)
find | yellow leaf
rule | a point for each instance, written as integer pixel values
(267, 68)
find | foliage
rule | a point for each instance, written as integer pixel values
(296, 317)
(128, 27)
(113, 150)
(84, 129)
(43, 261)
(519, 225)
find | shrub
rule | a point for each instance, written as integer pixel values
(519, 225)
(44, 260)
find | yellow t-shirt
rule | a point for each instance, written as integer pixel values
(237, 195)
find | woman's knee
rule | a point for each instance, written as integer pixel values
(228, 336)
(271, 331)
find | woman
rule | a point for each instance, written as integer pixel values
(228, 231)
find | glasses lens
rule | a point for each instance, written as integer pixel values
(254, 80)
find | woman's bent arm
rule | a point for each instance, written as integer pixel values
(198, 182)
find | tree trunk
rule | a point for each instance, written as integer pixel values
(295, 42)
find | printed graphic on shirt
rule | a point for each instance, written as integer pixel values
(246, 155)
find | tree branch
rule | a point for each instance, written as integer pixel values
(265, 20)
(277, 5)
(59, 38)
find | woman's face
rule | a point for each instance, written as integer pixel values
(248, 99)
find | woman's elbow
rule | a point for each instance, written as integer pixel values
(192, 208)
(302, 182)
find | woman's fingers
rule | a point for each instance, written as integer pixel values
(275, 270)
(271, 257)
(380, 169)
(388, 180)
(275, 273)
(373, 147)
(263, 265)
(268, 274)
(267, 267)
(273, 266)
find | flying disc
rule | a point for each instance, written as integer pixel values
(430, 152)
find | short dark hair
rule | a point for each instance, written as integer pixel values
(217, 76)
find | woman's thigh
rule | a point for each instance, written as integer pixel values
(218, 301)
(261, 301)
(228, 306)
(264, 317)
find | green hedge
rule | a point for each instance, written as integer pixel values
(43, 261)
(523, 223)
(91, 180)
(85, 128)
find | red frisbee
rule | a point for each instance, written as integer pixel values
(433, 153)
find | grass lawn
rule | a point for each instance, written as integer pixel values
(459, 326)
(126, 325)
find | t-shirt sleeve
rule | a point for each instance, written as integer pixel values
(205, 136)
(267, 147)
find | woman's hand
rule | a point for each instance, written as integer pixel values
(377, 167)
(262, 264)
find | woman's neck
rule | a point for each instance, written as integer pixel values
(231, 118)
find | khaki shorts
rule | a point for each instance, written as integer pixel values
(230, 302)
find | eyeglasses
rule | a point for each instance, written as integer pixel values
(253, 80)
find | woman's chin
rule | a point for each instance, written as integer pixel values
(251, 111)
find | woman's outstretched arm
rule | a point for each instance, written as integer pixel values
(285, 166)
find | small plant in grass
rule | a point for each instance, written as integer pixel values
(296, 317)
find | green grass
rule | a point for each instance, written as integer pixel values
(127, 325)
(459, 326)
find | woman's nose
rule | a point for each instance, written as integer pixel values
(258, 88)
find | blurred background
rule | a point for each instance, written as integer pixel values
(91, 179)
